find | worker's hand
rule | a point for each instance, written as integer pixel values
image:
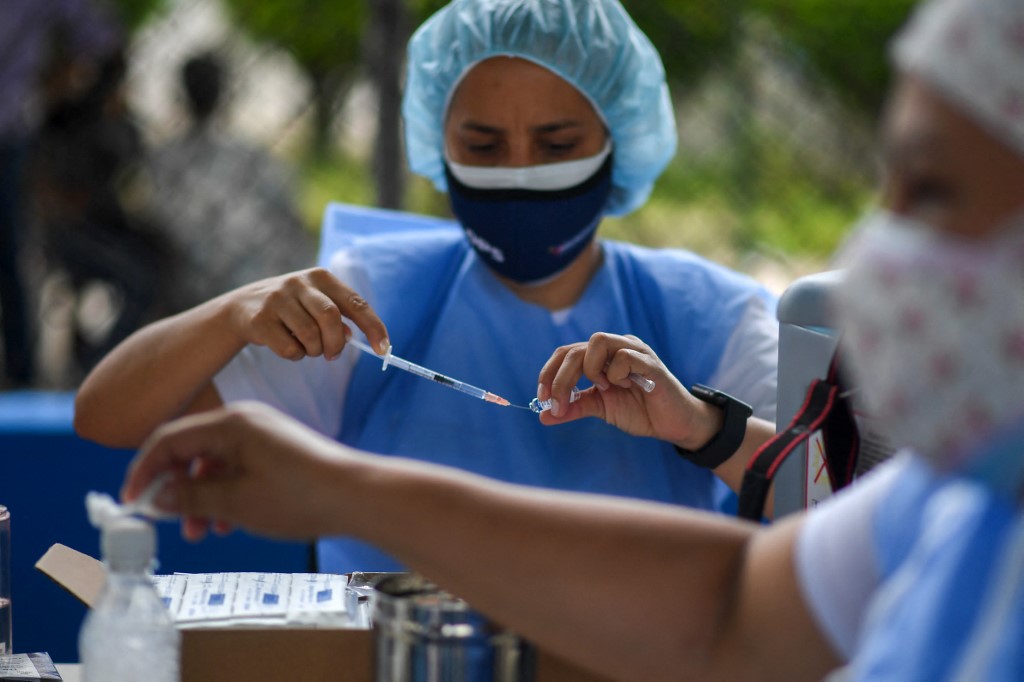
(245, 465)
(669, 412)
(299, 314)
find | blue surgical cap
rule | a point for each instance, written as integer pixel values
(592, 44)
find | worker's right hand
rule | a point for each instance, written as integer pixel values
(299, 314)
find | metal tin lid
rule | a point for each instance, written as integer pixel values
(409, 605)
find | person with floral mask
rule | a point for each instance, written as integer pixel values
(914, 572)
(538, 118)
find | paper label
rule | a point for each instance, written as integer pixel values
(258, 599)
(316, 595)
(18, 666)
(208, 597)
(819, 486)
(262, 595)
(171, 589)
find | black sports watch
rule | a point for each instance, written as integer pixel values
(726, 442)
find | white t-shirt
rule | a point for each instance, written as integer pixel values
(837, 567)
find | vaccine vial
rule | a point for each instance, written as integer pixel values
(539, 406)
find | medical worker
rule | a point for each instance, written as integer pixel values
(915, 572)
(538, 118)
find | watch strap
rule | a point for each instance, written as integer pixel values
(727, 441)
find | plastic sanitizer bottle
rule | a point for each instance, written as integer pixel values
(129, 635)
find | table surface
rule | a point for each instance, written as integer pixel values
(70, 672)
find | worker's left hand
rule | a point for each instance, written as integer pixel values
(669, 412)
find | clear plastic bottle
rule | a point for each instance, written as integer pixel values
(129, 636)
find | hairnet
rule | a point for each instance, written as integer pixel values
(592, 44)
(973, 52)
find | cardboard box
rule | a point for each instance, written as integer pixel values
(235, 654)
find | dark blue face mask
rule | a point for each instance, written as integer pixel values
(529, 235)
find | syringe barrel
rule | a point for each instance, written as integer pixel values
(411, 367)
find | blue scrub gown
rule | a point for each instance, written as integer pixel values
(444, 310)
(951, 601)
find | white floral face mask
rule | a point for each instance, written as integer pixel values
(933, 329)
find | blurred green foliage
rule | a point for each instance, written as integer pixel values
(844, 41)
(326, 34)
(322, 35)
(133, 13)
(691, 36)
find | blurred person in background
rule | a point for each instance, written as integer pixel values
(227, 205)
(538, 118)
(85, 168)
(915, 572)
(30, 30)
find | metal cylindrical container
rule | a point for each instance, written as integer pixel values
(424, 634)
(5, 581)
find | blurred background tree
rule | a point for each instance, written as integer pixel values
(692, 37)
(843, 42)
(776, 103)
(324, 36)
(335, 42)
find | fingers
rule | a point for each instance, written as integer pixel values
(589, 404)
(174, 447)
(328, 333)
(354, 307)
(549, 370)
(606, 360)
(311, 333)
(243, 465)
(566, 378)
(269, 330)
(203, 503)
(559, 376)
(300, 315)
(625, 362)
(207, 459)
(612, 358)
(194, 529)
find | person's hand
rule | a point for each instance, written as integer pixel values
(299, 315)
(245, 465)
(669, 412)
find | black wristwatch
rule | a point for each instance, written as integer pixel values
(726, 442)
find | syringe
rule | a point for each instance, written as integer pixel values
(640, 380)
(413, 368)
